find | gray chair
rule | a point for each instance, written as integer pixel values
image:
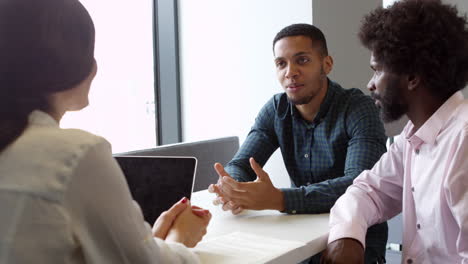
(207, 152)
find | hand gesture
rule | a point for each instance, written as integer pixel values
(257, 195)
(220, 199)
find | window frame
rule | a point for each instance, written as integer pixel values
(166, 72)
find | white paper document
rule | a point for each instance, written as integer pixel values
(241, 247)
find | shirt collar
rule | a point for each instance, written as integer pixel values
(41, 118)
(324, 107)
(429, 131)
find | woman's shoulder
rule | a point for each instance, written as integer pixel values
(62, 139)
(43, 133)
(43, 159)
(55, 140)
(77, 137)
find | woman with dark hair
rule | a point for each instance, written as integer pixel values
(63, 198)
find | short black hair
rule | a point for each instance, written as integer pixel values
(307, 30)
(420, 37)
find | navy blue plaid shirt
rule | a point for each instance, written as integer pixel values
(322, 157)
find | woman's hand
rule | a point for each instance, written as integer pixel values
(165, 221)
(189, 226)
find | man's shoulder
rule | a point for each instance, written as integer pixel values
(459, 120)
(353, 93)
(461, 113)
(278, 104)
(280, 98)
(351, 97)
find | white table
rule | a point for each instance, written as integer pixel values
(307, 228)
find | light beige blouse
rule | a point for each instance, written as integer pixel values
(64, 199)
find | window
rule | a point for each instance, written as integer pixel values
(122, 95)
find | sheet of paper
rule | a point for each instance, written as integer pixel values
(238, 247)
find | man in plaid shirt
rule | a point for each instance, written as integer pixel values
(327, 135)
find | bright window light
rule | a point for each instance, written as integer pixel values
(122, 95)
(387, 3)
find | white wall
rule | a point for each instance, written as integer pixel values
(227, 69)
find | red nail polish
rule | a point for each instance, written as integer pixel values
(184, 200)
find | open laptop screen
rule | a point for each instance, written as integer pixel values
(156, 183)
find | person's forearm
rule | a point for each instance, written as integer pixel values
(315, 198)
(239, 171)
(351, 216)
(278, 201)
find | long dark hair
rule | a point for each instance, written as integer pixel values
(46, 46)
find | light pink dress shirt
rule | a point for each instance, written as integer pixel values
(425, 175)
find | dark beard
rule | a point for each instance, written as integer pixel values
(306, 99)
(302, 101)
(391, 106)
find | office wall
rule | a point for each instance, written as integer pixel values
(340, 21)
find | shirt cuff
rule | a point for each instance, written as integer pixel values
(293, 200)
(348, 230)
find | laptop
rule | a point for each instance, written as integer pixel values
(207, 153)
(157, 182)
